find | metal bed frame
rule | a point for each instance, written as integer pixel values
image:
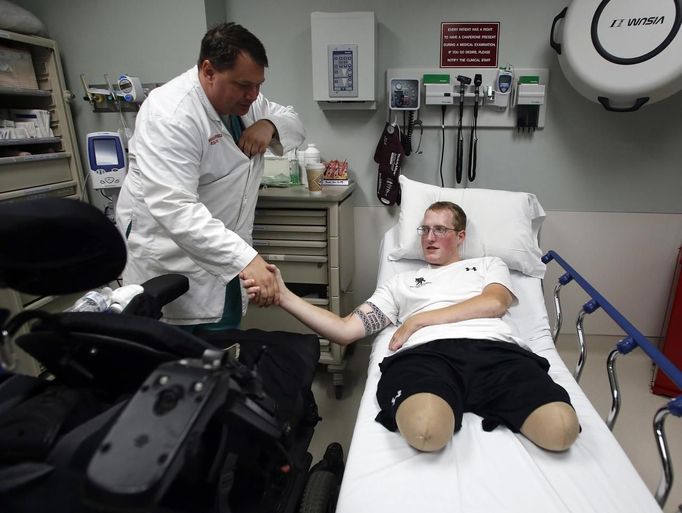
(631, 341)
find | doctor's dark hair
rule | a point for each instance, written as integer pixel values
(459, 218)
(223, 43)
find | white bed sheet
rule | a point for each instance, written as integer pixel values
(496, 471)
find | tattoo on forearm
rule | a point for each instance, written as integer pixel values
(374, 320)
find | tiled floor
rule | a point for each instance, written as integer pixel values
(338, 415)
(633, 428)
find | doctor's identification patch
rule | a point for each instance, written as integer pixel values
(214, 138)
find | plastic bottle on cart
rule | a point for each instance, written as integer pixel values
(94, 301)
(294, 170)
(312, 155)
(300, 156)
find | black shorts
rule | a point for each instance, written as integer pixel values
(500, 381)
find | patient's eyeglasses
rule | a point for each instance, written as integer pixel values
(438, 231)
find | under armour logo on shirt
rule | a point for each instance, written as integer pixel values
(470, 268)
(400, 392)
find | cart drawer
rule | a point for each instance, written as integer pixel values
(301, 272)
(291, 247)
(290, 216)
(289, 232)
(266, 318)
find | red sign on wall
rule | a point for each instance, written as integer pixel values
(469, 45)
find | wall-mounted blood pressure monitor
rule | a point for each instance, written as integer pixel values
(404, 93)
(106, 159)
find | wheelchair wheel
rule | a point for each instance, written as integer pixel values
(321, 493)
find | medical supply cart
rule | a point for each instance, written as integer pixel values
(41, 159)
(310, 237)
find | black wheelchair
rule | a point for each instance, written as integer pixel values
(132, 414)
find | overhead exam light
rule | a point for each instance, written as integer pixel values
(621, 53)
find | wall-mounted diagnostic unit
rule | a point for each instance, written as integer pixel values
(106, 160)
(488, 97)
(343, 50)
(404, 93)
(343, 71)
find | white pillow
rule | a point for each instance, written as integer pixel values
(499, 223)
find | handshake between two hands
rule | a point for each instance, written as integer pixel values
(265, 287)
(263, 283)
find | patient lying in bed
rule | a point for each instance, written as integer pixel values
(454, 351)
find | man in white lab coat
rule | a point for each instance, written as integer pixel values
(196, 162)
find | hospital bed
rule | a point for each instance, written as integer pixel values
(487, 471)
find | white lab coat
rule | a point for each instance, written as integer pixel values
(187, 204)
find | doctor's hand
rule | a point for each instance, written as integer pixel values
(256, 138)
(404, 331)
(253, 290)
(262, 287)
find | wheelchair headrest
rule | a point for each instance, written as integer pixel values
(57, 246)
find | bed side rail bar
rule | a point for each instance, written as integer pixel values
(652, 351)
(632, 340)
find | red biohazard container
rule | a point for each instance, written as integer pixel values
(672, 343)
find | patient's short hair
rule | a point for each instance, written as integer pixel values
(459, 218)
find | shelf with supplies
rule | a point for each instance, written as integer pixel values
(23, 91)
(37, 139)
(29, 140)
(33, 158)
(38, 151)
(310, 238)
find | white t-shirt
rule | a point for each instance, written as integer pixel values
(434, 287)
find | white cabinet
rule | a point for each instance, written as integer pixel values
(310, 237)
(36, 165)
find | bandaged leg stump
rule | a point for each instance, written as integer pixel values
(426, 421)
(553, 426)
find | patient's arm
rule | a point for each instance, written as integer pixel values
(493, 301)
(365, 320)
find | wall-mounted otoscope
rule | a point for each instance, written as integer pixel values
(473, 141)
(463, 83)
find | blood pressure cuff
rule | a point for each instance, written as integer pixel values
(389, 155)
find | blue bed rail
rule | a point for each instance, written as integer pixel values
(633, 339)
(598, 301)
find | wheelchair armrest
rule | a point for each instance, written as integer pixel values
(158, 291)
(166, 288)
